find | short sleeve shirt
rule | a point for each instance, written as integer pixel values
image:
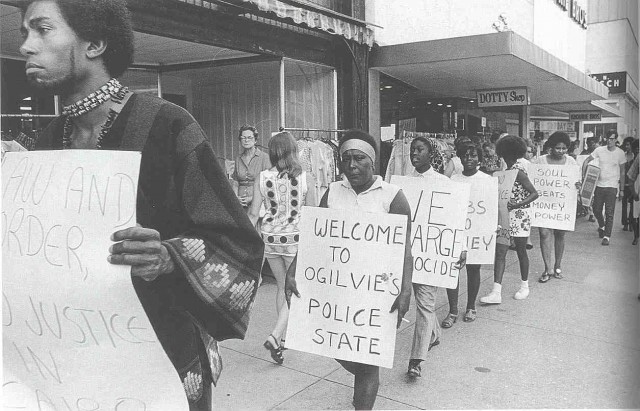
(610, 162)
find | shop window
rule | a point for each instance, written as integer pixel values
(599, 130)
(309, 95)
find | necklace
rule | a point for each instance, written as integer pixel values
(104, 130)
(112, 89)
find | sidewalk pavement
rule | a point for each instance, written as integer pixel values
(573, 343)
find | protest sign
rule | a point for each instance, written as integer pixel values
(439, 215)
(556, 205)
(349, 273)
(589, 184)
(75, 335)
(482, 221)
(505, 185)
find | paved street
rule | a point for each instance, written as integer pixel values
(574, 343)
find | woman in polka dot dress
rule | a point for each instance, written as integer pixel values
(283, 190)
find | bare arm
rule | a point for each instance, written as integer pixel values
(254, 208)
(523, 179)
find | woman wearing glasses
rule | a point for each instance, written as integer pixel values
(249, 164)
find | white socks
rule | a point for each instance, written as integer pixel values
(523, 292)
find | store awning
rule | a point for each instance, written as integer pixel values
(329, 21)
(607, 108)
(458, 67)
(313, 19)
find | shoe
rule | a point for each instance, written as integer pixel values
(605, 241)
(557, 273)
(635, 241)
(414, 369)
(433, 344)
(625, 227)
(592, 219)
(529, 246)
(469, 316)
(544, 277)
(601, 232)
(522, 293)
(492, 298)
(274, 349)
(449, 320)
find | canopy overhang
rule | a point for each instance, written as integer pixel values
(458, 67)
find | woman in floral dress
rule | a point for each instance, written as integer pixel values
(512, 149)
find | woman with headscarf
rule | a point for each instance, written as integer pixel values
(362, 190)
(558, 144)
(283, 189)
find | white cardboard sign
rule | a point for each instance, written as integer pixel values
(75, 335)
(482, 221)
(349, 273)
(439, 215)
(556, 205)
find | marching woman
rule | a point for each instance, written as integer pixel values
(427, 331)
(512, 149)
(362, 190)
(558, 144)
(471, 156)
(284, 190)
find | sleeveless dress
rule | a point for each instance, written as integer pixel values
(519, 219)
(283, 198)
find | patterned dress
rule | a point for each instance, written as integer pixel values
(519, 219)
(283, 198)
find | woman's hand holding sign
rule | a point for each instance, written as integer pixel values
(142, 249)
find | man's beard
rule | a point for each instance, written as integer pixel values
(61, 86)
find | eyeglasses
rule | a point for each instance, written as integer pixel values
(247, 138)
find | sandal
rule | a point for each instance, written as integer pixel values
(274, 349)
(557, 273)
(469, 316)
(449, 320)
(544, 277)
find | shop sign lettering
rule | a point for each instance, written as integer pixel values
(616, 82)
(586, 116)
(503, 97)
(576, 12)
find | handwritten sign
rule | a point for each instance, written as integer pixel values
(349, 273)
(439, 215)
(482, 220)
(75, 335)
(556, 205)
(589, 184)
(505, 186)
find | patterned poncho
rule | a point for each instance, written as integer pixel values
(184, 194)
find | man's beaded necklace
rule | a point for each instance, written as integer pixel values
(112, 90)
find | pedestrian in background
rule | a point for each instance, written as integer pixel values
(627, 192)
(609, 185)
(490, 162)
(249, 164)
(283, 190)
(512, 149)
(632, 176)
(558, 143)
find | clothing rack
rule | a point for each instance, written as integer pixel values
(312, 129)
(26, 115)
